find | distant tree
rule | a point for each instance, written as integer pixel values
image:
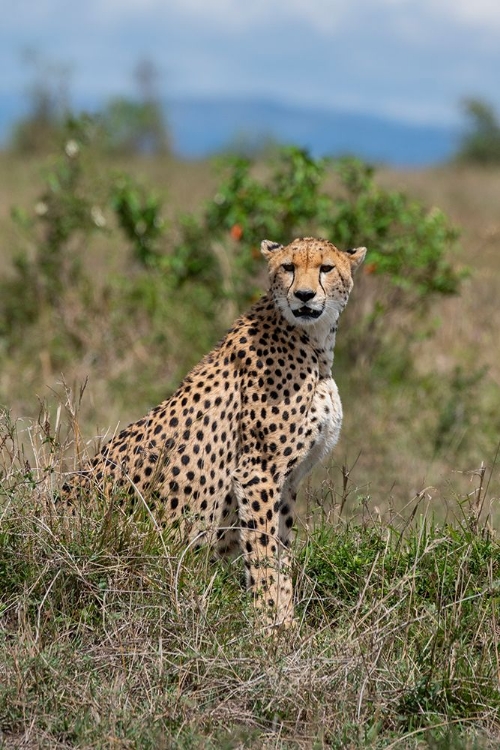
(137, 125)
(48, 105)
(128, 125)
(481, 141)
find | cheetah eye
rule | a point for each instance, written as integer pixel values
(326, 268)
(288, 267)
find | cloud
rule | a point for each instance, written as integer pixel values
(230, 14)
(323, 16)
(481, 13)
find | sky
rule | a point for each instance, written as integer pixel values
(413, 60)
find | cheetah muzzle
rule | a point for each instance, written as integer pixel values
(307, 313)
(222, 459)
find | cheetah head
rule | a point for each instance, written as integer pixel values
(311, 279)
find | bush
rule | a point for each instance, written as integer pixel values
(49, 262)
(408, 244)
(481, 142)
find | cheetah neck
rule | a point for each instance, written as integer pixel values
(319, 336)
(322, 339)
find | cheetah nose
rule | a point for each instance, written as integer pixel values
(304, 294)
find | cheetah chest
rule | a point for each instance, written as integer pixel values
(325, 417)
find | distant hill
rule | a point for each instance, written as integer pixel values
(201, 127)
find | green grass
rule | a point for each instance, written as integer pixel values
(112, 636)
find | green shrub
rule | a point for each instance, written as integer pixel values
(480, 143)
(54, 237)
(406, 242)
(409, 245)
(138, 212)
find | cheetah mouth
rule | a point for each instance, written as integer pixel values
(307, 312)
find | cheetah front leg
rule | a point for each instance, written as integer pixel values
(264, 545)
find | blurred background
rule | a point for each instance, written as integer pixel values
(147, 148)
(384, 79)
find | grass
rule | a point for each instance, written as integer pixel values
(112, 636)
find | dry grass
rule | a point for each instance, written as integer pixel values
(470, 322)
(110, 637)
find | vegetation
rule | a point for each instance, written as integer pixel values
(218, 249)
(127, 124)
(48, 106)
(481, 142)
(136, 125)
(111, 635)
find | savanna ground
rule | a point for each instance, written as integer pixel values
(110, 636)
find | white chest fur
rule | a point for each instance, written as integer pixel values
(326, 420)
(328, 407)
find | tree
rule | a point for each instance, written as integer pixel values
(48, 105)
(137, 125)
(128, 125)
(481, 141)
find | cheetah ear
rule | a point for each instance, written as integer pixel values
(356, 256)
(267, 247)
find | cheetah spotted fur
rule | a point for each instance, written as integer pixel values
(223, 457)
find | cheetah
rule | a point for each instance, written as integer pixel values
(222, 458)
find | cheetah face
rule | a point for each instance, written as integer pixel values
(311, 279)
